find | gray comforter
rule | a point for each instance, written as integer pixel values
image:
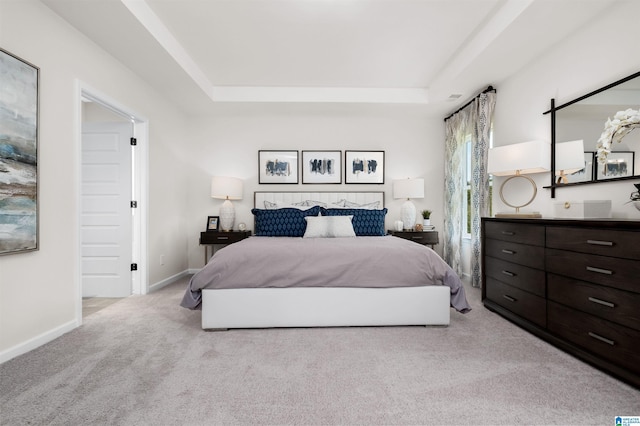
(372, 262)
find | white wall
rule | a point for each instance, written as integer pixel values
(604, 51)
(39, 291)
(228, 145)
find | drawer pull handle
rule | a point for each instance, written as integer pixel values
(602, 339)
(602, 302)
(223, 238)
(505, 251)
(509, 298)
(416, 238)
(600, 243)
(508, 233)
(509, 273)
(599, 270)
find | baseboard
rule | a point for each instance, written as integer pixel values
(37, 341)
(170, 280)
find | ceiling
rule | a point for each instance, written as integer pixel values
(423, 56)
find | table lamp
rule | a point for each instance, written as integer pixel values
(569, 159)
(408, 188)
(227, 189)
(516, 161)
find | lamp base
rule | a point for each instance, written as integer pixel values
(227, 216)
(520, 215)
(408, 215)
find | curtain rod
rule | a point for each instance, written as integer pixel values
(487, 90)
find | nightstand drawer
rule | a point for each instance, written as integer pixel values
(522, 303)
(521, 254)
(609, 271)
(603, 242)
(613, 342)
(515, 232)
(522, 277)
(425, 238)
(220, 237)
(614, 305)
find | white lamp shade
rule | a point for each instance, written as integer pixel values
(569, 157)
(408, 188)
(226, 188)
(522, 158)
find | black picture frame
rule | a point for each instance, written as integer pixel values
(321, 167)
(364, 167)
(620, 164)
(213, 223)
(587, 174)
(278, 166)
(19, 121)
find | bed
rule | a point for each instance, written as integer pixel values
(321, 259)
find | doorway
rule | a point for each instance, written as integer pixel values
(113, 166)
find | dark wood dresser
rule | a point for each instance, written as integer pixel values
(574, 283)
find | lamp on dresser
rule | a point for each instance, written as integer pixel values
(569, 159)
(408, 189)
(516, 161)
(226, 188)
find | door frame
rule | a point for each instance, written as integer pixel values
(140, 176)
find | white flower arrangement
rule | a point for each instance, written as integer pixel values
(615, 129)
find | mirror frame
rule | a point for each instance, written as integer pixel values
(552, 111)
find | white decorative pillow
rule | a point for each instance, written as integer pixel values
(369, 206)
(329, 227)
(269, 205)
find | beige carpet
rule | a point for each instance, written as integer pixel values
(145, 361)
(91, 305)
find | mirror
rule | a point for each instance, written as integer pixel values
(584, 119)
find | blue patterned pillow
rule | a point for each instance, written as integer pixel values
(287, 222)
(366, 222)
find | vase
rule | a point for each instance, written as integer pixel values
(426, 222)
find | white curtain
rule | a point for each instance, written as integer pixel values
(482, 117)
(473, 121)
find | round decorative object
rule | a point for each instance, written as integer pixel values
(526, 203)
(242, 226)
(419, 227)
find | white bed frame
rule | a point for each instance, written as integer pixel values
(326, 306)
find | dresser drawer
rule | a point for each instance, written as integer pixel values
(610, 271)
(625, 244)
(610, 341)
(522, 303)
(521, 254)
(619, 306)
(522, 277)
(515, 232)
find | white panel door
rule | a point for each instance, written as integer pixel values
(106, 220)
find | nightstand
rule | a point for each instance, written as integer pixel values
(426, 238)
(211, 238)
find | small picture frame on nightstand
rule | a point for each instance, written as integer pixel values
(213, 222)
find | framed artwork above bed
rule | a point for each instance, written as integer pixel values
(365, 167)
(321, 166)
(278, 167)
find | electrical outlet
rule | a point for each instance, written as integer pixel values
(161, 259)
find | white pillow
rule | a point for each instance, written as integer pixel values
(369, 206)
(344, 204)
(329, 227)
(268, 205)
